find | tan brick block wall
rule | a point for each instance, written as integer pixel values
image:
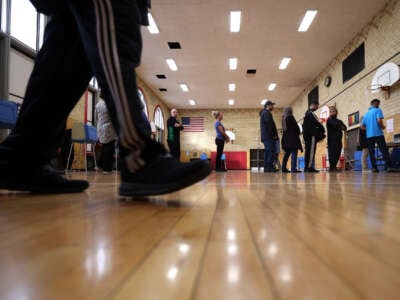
(382, 42)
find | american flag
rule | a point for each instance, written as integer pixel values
(193, 124)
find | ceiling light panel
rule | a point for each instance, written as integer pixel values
(233, 62)
(171, 64)
(271, 86)
(231, 102)
(284, 63)
(231, 87)
(307, 20)
(153, 29)
(184, 87)
(192, 102)
(236, 17)
(263, 101)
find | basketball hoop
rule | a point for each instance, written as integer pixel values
(376, 88)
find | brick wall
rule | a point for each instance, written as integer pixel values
(382, 43)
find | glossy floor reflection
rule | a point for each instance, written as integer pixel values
(236, 235)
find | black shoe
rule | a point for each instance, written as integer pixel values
(163, 175)
(295, 171)
(285, 171)
(43, 179)
(311, 170)
(221, 170)
(375, 170)
(270, 170)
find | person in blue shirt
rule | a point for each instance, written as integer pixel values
(373, 124)
(220, 140)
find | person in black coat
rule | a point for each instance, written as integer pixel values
(290, 140)
(174, 129)
(335, 129)
(313, 132)
(269, 136)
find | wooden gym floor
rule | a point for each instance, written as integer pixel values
(236, 235)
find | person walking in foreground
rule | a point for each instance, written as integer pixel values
(291, 143)
(174, 130)
(313, 132)
(87, 38)
(269, 136)
(363, 146)
(220, 140)
(335, 128)
(373, 123)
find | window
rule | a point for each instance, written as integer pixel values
(354, 63)
(4, 9)
(24, 22)
(141, 97)
(159, 123)
(90, 104)
(313, 95)
(42, 25)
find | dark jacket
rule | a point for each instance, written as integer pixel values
(173, 132)
(267, 126)
(290, 136)
(312, 126)
(335, 127)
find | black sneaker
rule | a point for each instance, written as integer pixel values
(375, 170)
(285, 171)
(43, 179)
(163, 175)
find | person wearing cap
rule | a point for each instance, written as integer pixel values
(313, 132)
(269, 135)
(372, 122)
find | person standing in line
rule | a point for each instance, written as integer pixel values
(290, 140)
(87, 38)
(373, 123)
(269, 136)
(363, 146)
(174, 129)
(220, 140)
(313, 132)
(107, 136)
(335, 128)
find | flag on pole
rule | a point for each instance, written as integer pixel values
(193, 124)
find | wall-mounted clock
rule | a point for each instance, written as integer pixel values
(328, 81)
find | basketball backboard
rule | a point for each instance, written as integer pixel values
(386, 75)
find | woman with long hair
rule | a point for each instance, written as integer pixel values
(220, 139)
(290, 140)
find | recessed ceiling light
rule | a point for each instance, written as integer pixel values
(171, 64)
(271, 86)
(153, 29)
(284, 63)
(263, 101)
(184, 87)
(231, 102)
(192, 102)
(307, 20)
(235, 20)
(231, 87)
(233, 62)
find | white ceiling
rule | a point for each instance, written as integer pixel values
(268, 33)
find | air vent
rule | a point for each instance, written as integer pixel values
(251, 71)
(174, 45)
(162, 90)
(161, 76)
